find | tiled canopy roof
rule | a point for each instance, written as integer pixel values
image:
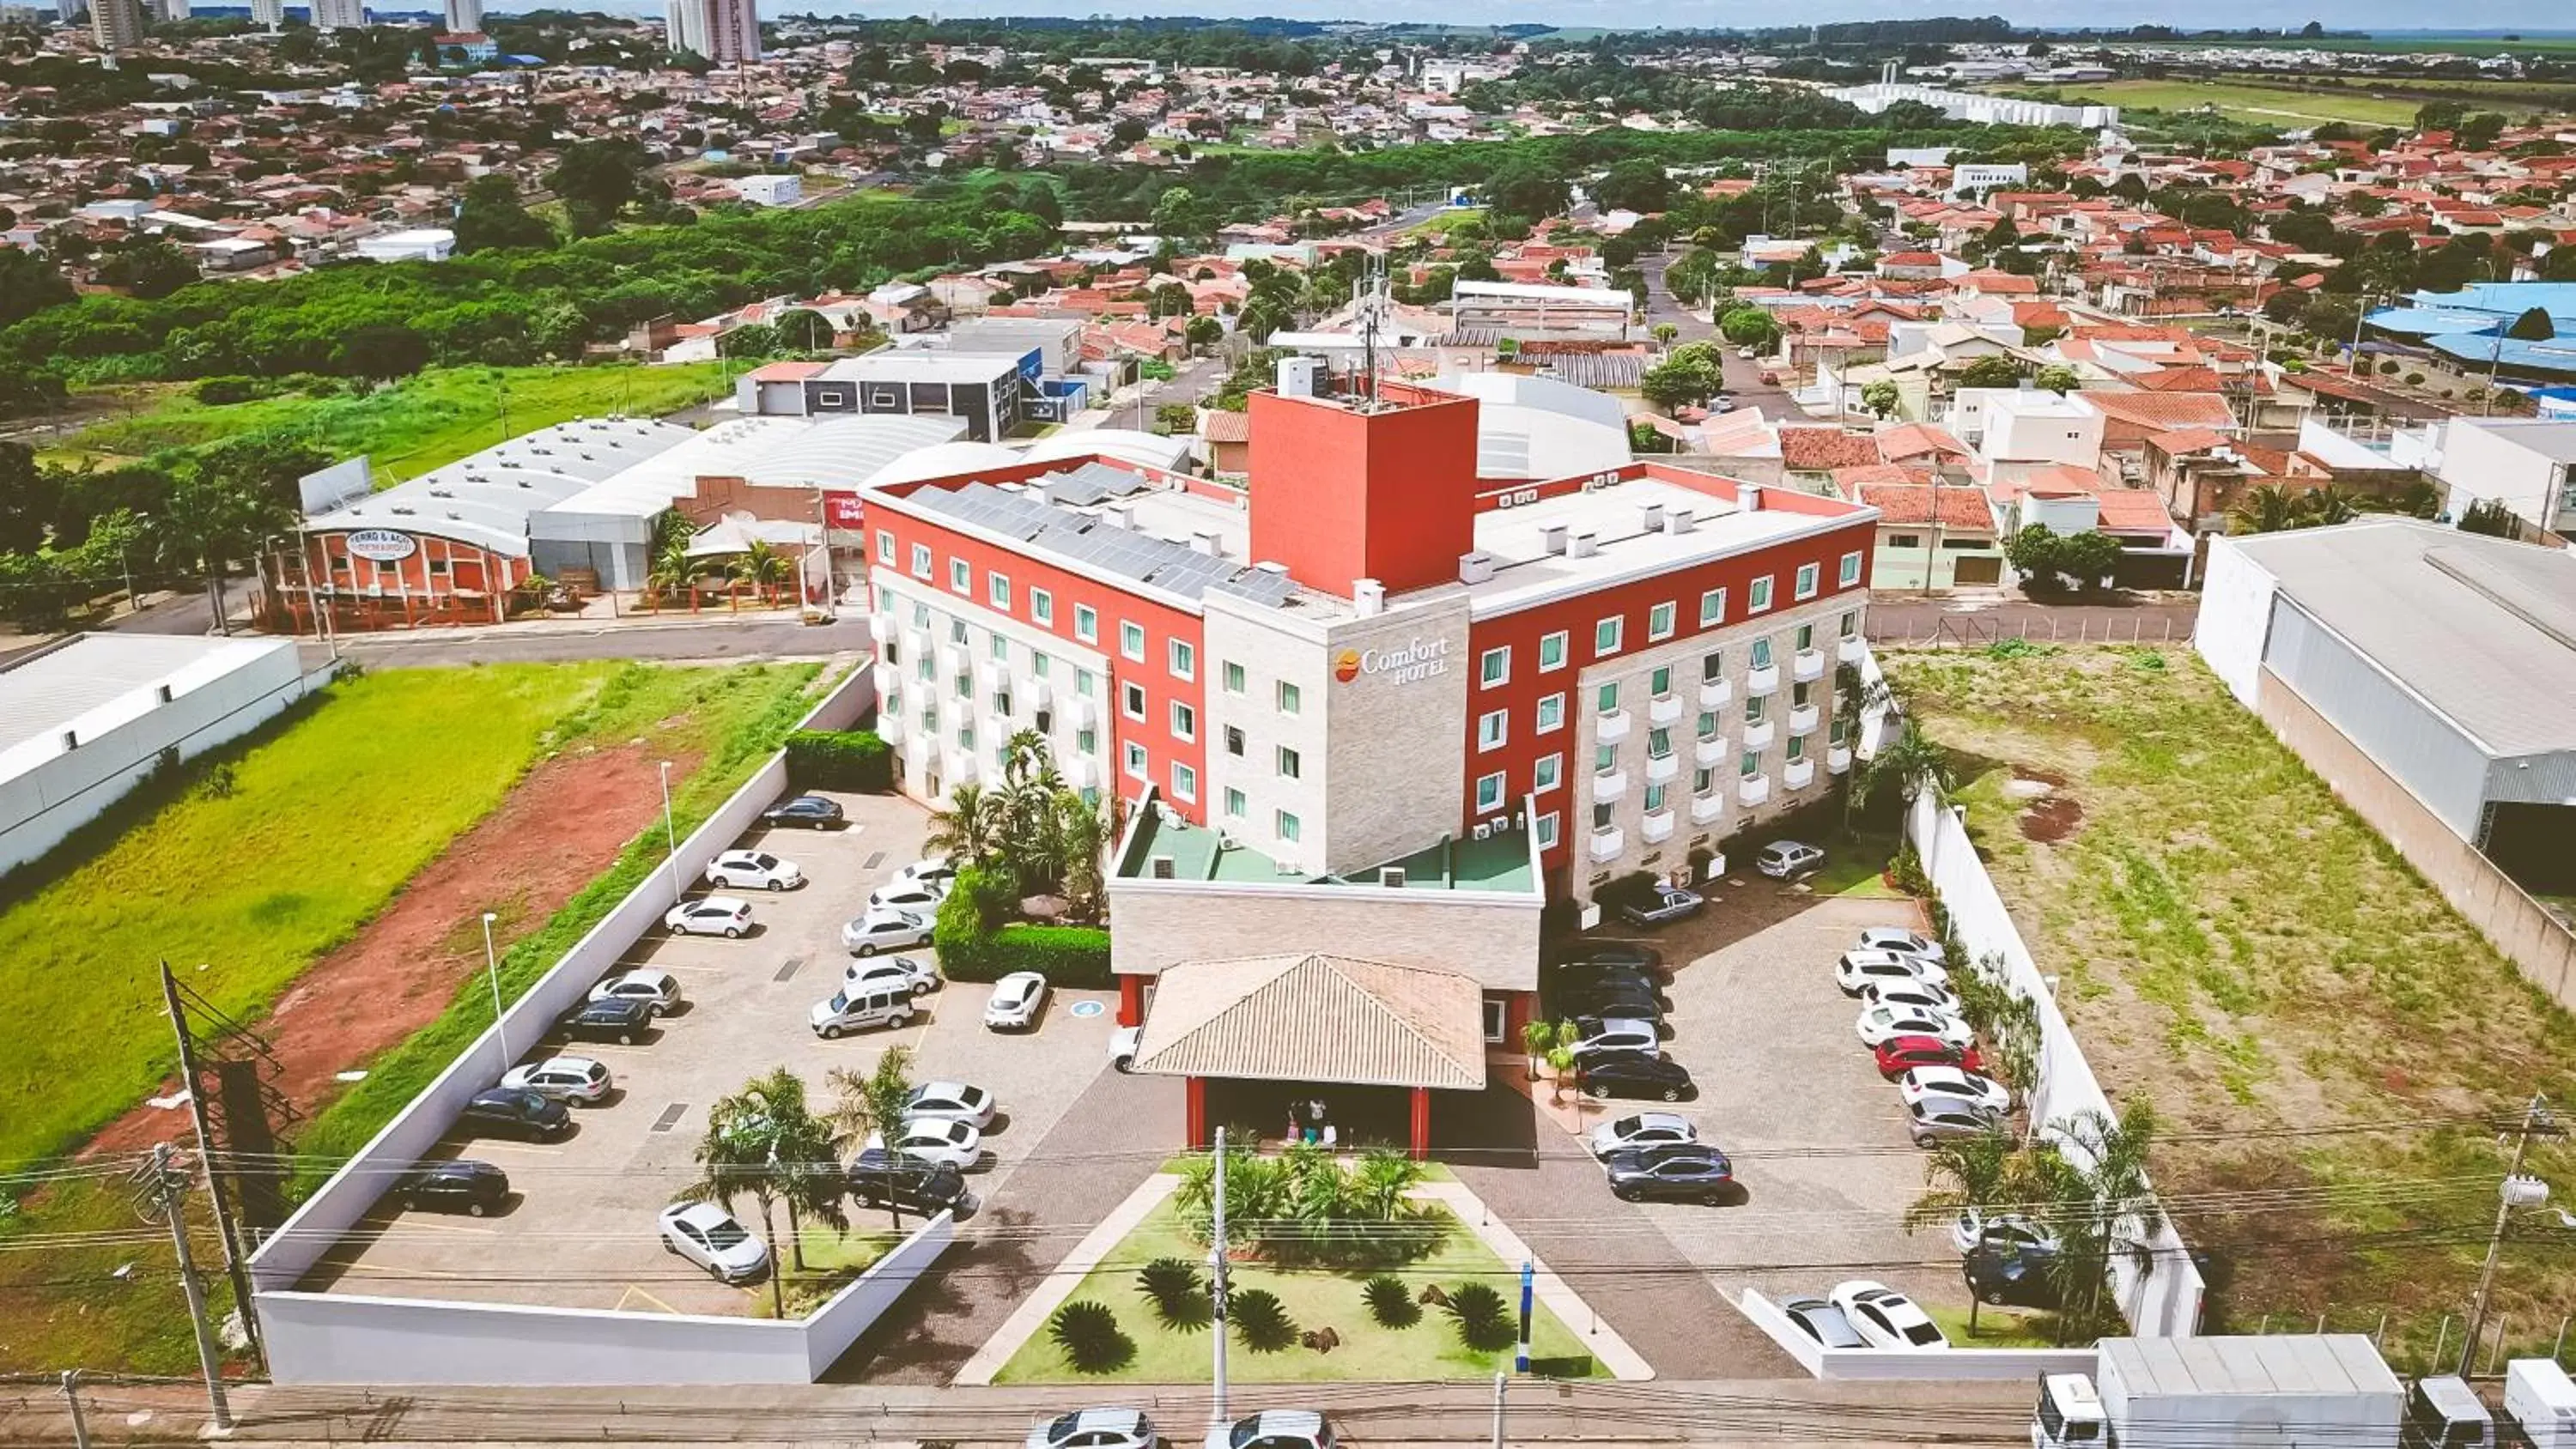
(1316, 1018)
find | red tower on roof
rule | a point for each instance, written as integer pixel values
(1341, 494)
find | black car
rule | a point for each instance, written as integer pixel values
(883, 1179)
(509, 1111)
(1629, 955)
(1693, 1171)
(472, 1188)
(2015, 1273)
(620, 1019)
(811, 811)
(1633, 1074)
(1615, 998)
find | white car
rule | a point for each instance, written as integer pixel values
(2006, 1229)
(753, 868)
(1892, 938)
(1094, 1429)
(861, 977)
(1885, 1317)
(1122, 1047)
(847, 1011)
(1274, 1429)
(1016, 999)
(1878, 1023)
(934, 1139)
(726, 916)
(1973, 1088)
(1787, 859)
(1857, 969)
(658, 990)
(1644, 1129)
(955, 1101)
(920, 897)
(1615, 1034)
(1911, 993)
(931, 870)
(708, 1236)
(885, 930)
(566, 1079)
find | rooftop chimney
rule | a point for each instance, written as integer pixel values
(1368, 598)
(1678, 521)
(1475, 568)
(1586, 544)
(1654, 516)
(1749, 498)
(1553, 536)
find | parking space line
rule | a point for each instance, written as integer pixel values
(405, 1225)
(518, 1147)
(634, 1292)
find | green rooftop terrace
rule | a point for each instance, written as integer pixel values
(1500, 862)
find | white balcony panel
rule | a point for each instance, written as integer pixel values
(1606, 844)
(1611, 727)
(1765, 680)
(1809, 665)
(1838, 759)
(881, 627)
(1802, 720)
(1705, 808)
(890, 728)
(1753, 789)
(1851, 650)
(1715, 693)
(1660, 768)
(1799, 774)
(1609, 784)
(1656, 827)
(1663, 709)
(1709, 751)
(1759, 736)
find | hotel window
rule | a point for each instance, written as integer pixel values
(1234, 804)
(1233, 678)
(930, 717)
(920, 615)
(1605, 700)
(1659, 743)
(1551, 650)
(1489, 792)
(1806, 637)
(961, 576)
(997, 587)
(1490, 728)
(1131, 641)
(1136, 759)
(1712, 607)
(957, 631)
(921, 560)
(1797, 747)
(1086, 623)
(925, 668)
(1605, 758)
(1751, 767)
(1086, 742)
(1002, 703)
(1605, 636)
(1762, 652)
(1234, 741)
(1708, 724)
(1131, 699)
(1493, 666)
(1847, 624)
(1834, 731)
(1654, 798)
(1185, 721)
(1549, 770)
(1185, 783)
(1851, 569)
(1601, 815)
(1754, 710)
(965, 686)
(1082, 682)
(1038, 664)
(1807, 580)
(1547, 830)
(1001, 650)
(1551, 713)
(1905, 540)
(1289, 764)
(1703, 780)
(1712, 666)
(1288, 826)
(1289, 698)
(1798, 693)
(1042, 606)
(1758, 595)
(966, 738)
(885, 547)
(1659, 621)
(1185, 660)
(1660, 683)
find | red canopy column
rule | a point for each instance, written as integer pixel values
(1421, 1122)
(1194, 1117)
(1131, 1000)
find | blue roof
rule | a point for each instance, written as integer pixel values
(2512, 299)
(2436, 321)
(2557, 356)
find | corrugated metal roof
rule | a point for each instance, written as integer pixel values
(1026, 517)
(1316, 1018)
(2269, 1364)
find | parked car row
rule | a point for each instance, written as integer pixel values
(1862, 1313)
(1131, 1429)
(1913, 1021)
(1612, 992)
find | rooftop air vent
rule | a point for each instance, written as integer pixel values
(1159, 867)
(1652, 515)
(1585, 544)
(1475, 567)
(1677, 521)
(1368, 597)
(1552, 537)
(1391, 877)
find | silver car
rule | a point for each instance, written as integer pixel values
(566, 1079)
(1642, 1129)
(885, 930)
(658, 990)
(1094, 1429)
(1933, 1120)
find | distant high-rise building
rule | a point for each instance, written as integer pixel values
(724, 31)
(684, 27)
(271, 13)
(339, 14)
(118, 24)
(169, 10)
(73, 12)
(464, 17)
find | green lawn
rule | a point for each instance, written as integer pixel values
(1440, 224)
(433, 417)
(1315, 1298)
(1996, 1327)
(2283, 105)
(2313, 1021)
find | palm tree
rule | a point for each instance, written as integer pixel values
(1967, 1175)
(2331, 505)
(2099, 1204)
(969, 830)
(2270, 508)
(1385, 1175)
(764, 1141)
(863, 1106)
(1910, 761)
(1551, 1043)
(672, 569)
(762, 567)
(1082, 836)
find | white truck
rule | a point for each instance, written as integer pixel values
(2540, 1398)
(2273, 1391)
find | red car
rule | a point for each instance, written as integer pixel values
(1900, 1054)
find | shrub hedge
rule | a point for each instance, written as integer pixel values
(976, 942)
(840, 760)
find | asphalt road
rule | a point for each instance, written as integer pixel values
(1743, 379)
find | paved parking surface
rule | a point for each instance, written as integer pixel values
(580, 1230)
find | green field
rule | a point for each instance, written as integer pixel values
(2480, 45)
(433, 417)
(1314, 1298)
(2276, 105)
(2321, 1034)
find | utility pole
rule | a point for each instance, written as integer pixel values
(235, 1260)
(160, 1200)
(1501, 1382)
(1216, 1289)
(2515, 1191)
(71, 1396)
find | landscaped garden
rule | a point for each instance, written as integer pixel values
(1334, 1272)
(2330, 1049)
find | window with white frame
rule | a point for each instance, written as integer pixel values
(1131, 641)
(1185, 782)
(1660, 682)
(1750, 767)
(1551, 650)
(1184, 659)
(1185, 721)
(1234, 804)
(1001, 649)
(1757, 709)
(1082, 680)
(1655, 797)
(1806, 637)
(1659, 621)
(1707, 726)
(1757, 595)
(1544, 776)
(885, 547)
(1042, 606)
(1086, 623)
(1797, 747)
(1551, 713)
(997, 588)
(1288, 826)
(1131, 700)
(1807, 574)
(1605, 758)
(921, 560)
(1712, 666)
(1290, 701)
(1494, 666)
(1136, 759)
(1605, 635)
(1545, 830)
(1603, 815)
(1491, 727)
(1489, 793)
(1712, 607)
(1234, 741)
(957, 631)
(1848, 624)
(920, 615)
(1703, 780)
(1233, 677)
(1290, 765)
(1605, 700)
(961, 576)
(1850, 574)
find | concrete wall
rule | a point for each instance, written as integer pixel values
(2165, 1298)
(2515, 923)
(1953, 1365)
(338, 1338)
(1386, 793)
(1489, 936)
(338, 1204)
(2235, 618)
(2431, 754)
(51, 791)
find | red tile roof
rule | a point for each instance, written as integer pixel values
(1961, 507)
(1822, 449)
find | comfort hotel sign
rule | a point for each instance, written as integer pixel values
(1418, 659)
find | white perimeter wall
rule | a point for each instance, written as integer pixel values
(2235, 618)
(2163, 1300)
(1954, 1364)
(400, 1336)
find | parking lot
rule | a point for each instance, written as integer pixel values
(579, 1228)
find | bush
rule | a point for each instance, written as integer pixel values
(840, 760)
(1089, 1334)
(1484, 1321)
(1390, 1303)
(972, 948)
(1262, 1320)
(219, 391)
(1173, 1283)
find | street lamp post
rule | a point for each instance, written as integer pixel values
(492, 972)
(670, 833)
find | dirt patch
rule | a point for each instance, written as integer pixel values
(555, 832)
(2051, 818)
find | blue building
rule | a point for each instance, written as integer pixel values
(2466, 329)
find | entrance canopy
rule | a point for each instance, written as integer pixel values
(1316, 1018)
